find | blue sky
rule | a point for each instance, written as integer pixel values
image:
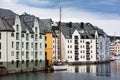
(102, 13)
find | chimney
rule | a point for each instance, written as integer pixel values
(82, 25)
(70, 24)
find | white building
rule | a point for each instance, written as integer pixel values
(21, 42)
(80, 42)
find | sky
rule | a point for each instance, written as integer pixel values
(102, 13)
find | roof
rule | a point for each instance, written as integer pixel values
(114, 38)
(86, 30)
(25, 26)
(45, 25)
(7, 18)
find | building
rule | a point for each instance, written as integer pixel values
(21, 42)
(80, 42)
(46, 28)
(115, 46)
(104, 48)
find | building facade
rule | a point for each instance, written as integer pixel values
(22, 44)
(81, 43)
(104, 48)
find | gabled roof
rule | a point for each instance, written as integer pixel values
(86, 30)
(114, 38)
(28, 19)
(25, 26)
(45, 25)
(7, 18)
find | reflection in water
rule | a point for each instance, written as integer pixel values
(83, 69)
(104, 70)
(109, 71)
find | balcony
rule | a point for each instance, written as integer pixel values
(76, 42)
(76, 53)
(88, 53)
(76, 37)
(87, 47)
(88, 58)
(76, 47)
(76, 58)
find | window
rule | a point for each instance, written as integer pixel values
(45, 45)
(27, 55)
(22, 61)
(17, 36)
(17, 27)
(40, 36)
(0, 55)
(40, 45)
(12, 34)
(12, 62)
(27, 36)
(83, 46)
(91, 41)
(40, 61)
(40, 53)
(22, 35)
(31, 53)
(27, 46)
(91, 56)
(36, 54)
(12, 53)
(36, 62)
(68, 51)
(32, 36)
(35, 46)
(0, 35)
(27, 63)
(31, 45)
(0, 45)
(22, 53)
(68, 41)
(45, 38)
(76, 37)
(35, 37)
(12, 44)
(22, 44)
(17, 55)
(91, 52)
(83, 51)
(17, 45)
(36, 29)
(80, 41)
(68, 57)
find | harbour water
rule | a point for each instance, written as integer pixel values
(108, 71)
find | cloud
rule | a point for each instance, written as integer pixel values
(110, 23)
(39, 2)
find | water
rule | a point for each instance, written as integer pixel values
(109, 71)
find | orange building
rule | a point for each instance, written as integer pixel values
(49, 48)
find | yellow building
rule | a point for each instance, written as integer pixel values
(117, 46)
(49, 48)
